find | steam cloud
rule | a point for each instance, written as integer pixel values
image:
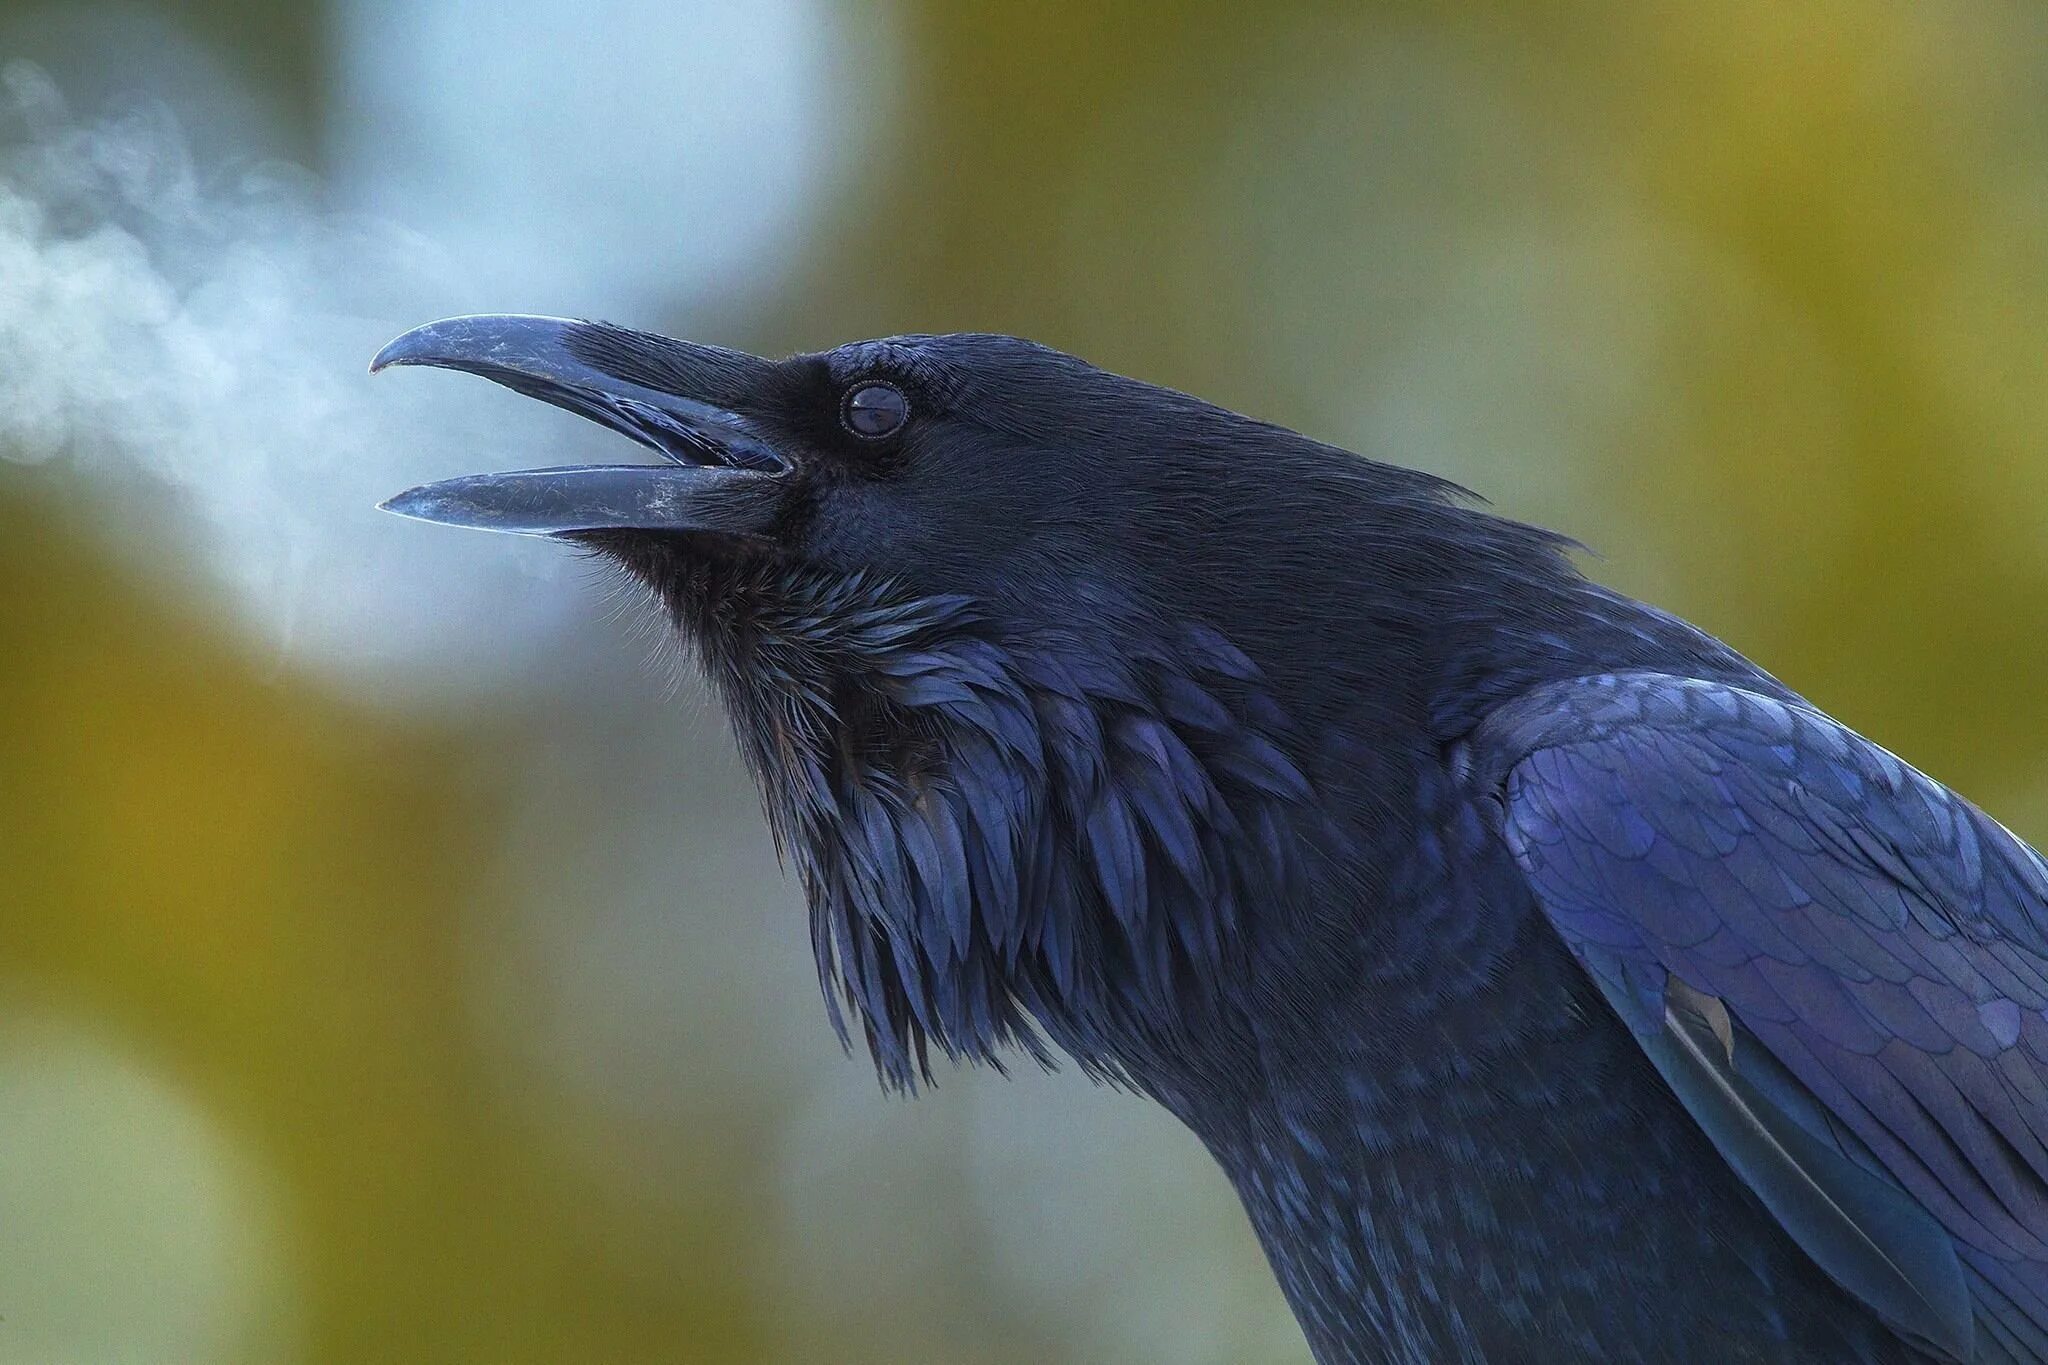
(184, 340)
(194, 341)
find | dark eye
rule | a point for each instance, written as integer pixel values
(875, 410)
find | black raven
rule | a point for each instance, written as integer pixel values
(1552, 983)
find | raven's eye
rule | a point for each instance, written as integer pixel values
(875, 410)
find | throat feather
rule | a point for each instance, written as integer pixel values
(1006, 841)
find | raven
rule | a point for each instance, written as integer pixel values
(1551, 982)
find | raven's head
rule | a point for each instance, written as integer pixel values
(1039, 667)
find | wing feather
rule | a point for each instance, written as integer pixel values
(1878, 948)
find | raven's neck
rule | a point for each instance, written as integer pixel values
(1227, 861)
(1413, 1072)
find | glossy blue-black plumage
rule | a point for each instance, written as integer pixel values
(1882, 941)
(1551, 983)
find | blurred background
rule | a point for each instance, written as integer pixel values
(393, 965)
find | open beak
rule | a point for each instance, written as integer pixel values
(719, 474)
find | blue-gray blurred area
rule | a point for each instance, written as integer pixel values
(393, 962)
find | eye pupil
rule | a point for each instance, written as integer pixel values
(876, 410)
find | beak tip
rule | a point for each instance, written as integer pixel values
(413, 503)
(403, 350)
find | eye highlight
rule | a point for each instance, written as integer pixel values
(873, 410)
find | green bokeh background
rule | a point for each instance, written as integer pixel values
(1749, 296)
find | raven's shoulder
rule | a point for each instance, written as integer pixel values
(1840, 966)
